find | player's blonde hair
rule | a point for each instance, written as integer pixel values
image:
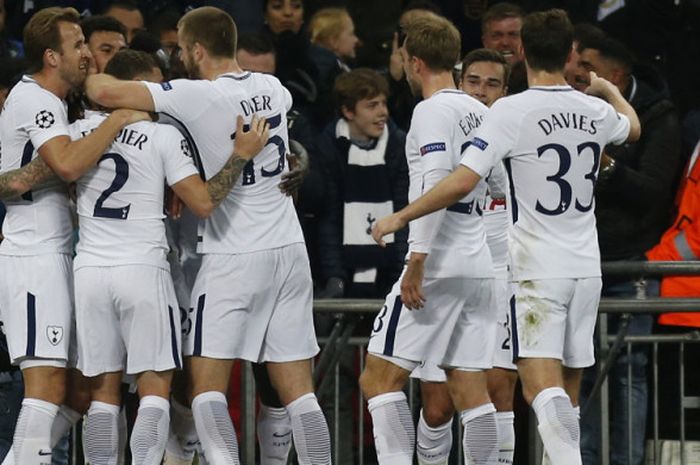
(42, 33)
(212, 28)
(435, 40)
(327, 24)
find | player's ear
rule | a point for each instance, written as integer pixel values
(50, 57)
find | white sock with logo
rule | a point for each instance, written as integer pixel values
(274, 435)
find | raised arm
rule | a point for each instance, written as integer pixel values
(447, 192)
(203, 197)
(71, 159)
(608, 91)
(111, 92)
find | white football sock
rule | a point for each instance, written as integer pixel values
(182, 437)
(506, 437)
(394, 433)
(309, 431)
(274, 435)
(480, 439)
(32, 438)
(433, 445)
(101, 438)
(558, 426)
(215, 428)
(150, 431)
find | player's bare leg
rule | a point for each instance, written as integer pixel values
(434, 431)
(470, 396)
(294, 385)
(543, 388)
(501, 385)
(394, 434)
(208, 383)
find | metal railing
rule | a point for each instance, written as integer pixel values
(347, 312)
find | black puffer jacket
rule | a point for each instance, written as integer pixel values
(634, 205)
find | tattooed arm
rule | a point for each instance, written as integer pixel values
(202, 198)
(18, 181)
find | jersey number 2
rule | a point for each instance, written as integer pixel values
(120, 177)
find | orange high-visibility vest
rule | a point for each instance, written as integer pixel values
(682, 242)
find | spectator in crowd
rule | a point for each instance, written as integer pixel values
(105, 36)
(680, 242)
(575, 74)
(164, 28)
(500, 31)
(401, 99)
(256, 52)
(634, 196)
(284, 20)
(126, 12)
(367, 179)
(8, 48)
(333, 42)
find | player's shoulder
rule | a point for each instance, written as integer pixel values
(28, 93)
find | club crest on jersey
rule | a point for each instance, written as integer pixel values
(434, 147)
(166, 85)
(44, 119)
(479, 143)
(55, 334)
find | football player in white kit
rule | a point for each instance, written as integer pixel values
(485, 77)
(36, 284)
(127, 315)
(253, 295)
(551, 138)
(441, 309)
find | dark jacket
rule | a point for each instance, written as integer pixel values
(634, 205)
(340, 261)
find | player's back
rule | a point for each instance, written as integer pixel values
(39, 221)
(441, 127)
(256, 215)
(557, 136)
(120, 201)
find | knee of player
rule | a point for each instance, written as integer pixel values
(436, 413)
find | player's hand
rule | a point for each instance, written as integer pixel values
(173, 204)
(395, 59)
(387, 225)
(128, 116)
(249, 143)
(412, 283)
(601, 87)
(298, 168)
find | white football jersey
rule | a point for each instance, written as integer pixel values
(40, 221)
(496, 219)
(551, 140)
(441, 127)
(255, 215)
(120, 201)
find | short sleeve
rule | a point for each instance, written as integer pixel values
(432, 133)
(182, 98)
(492, 140)
(43, 118)
(617, 124)
(175, 153)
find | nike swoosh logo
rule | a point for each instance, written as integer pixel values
(44, 453)
(277, 435)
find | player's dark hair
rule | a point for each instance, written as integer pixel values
(256, 43)
(165, 20)
(547, 37)
(212, 28)
(610, 49)
(435, 40)
(42, 33)
(499, 12)
(127, 64)
(101, 23)
(356, 85)
(584, 32)
(488, 55)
